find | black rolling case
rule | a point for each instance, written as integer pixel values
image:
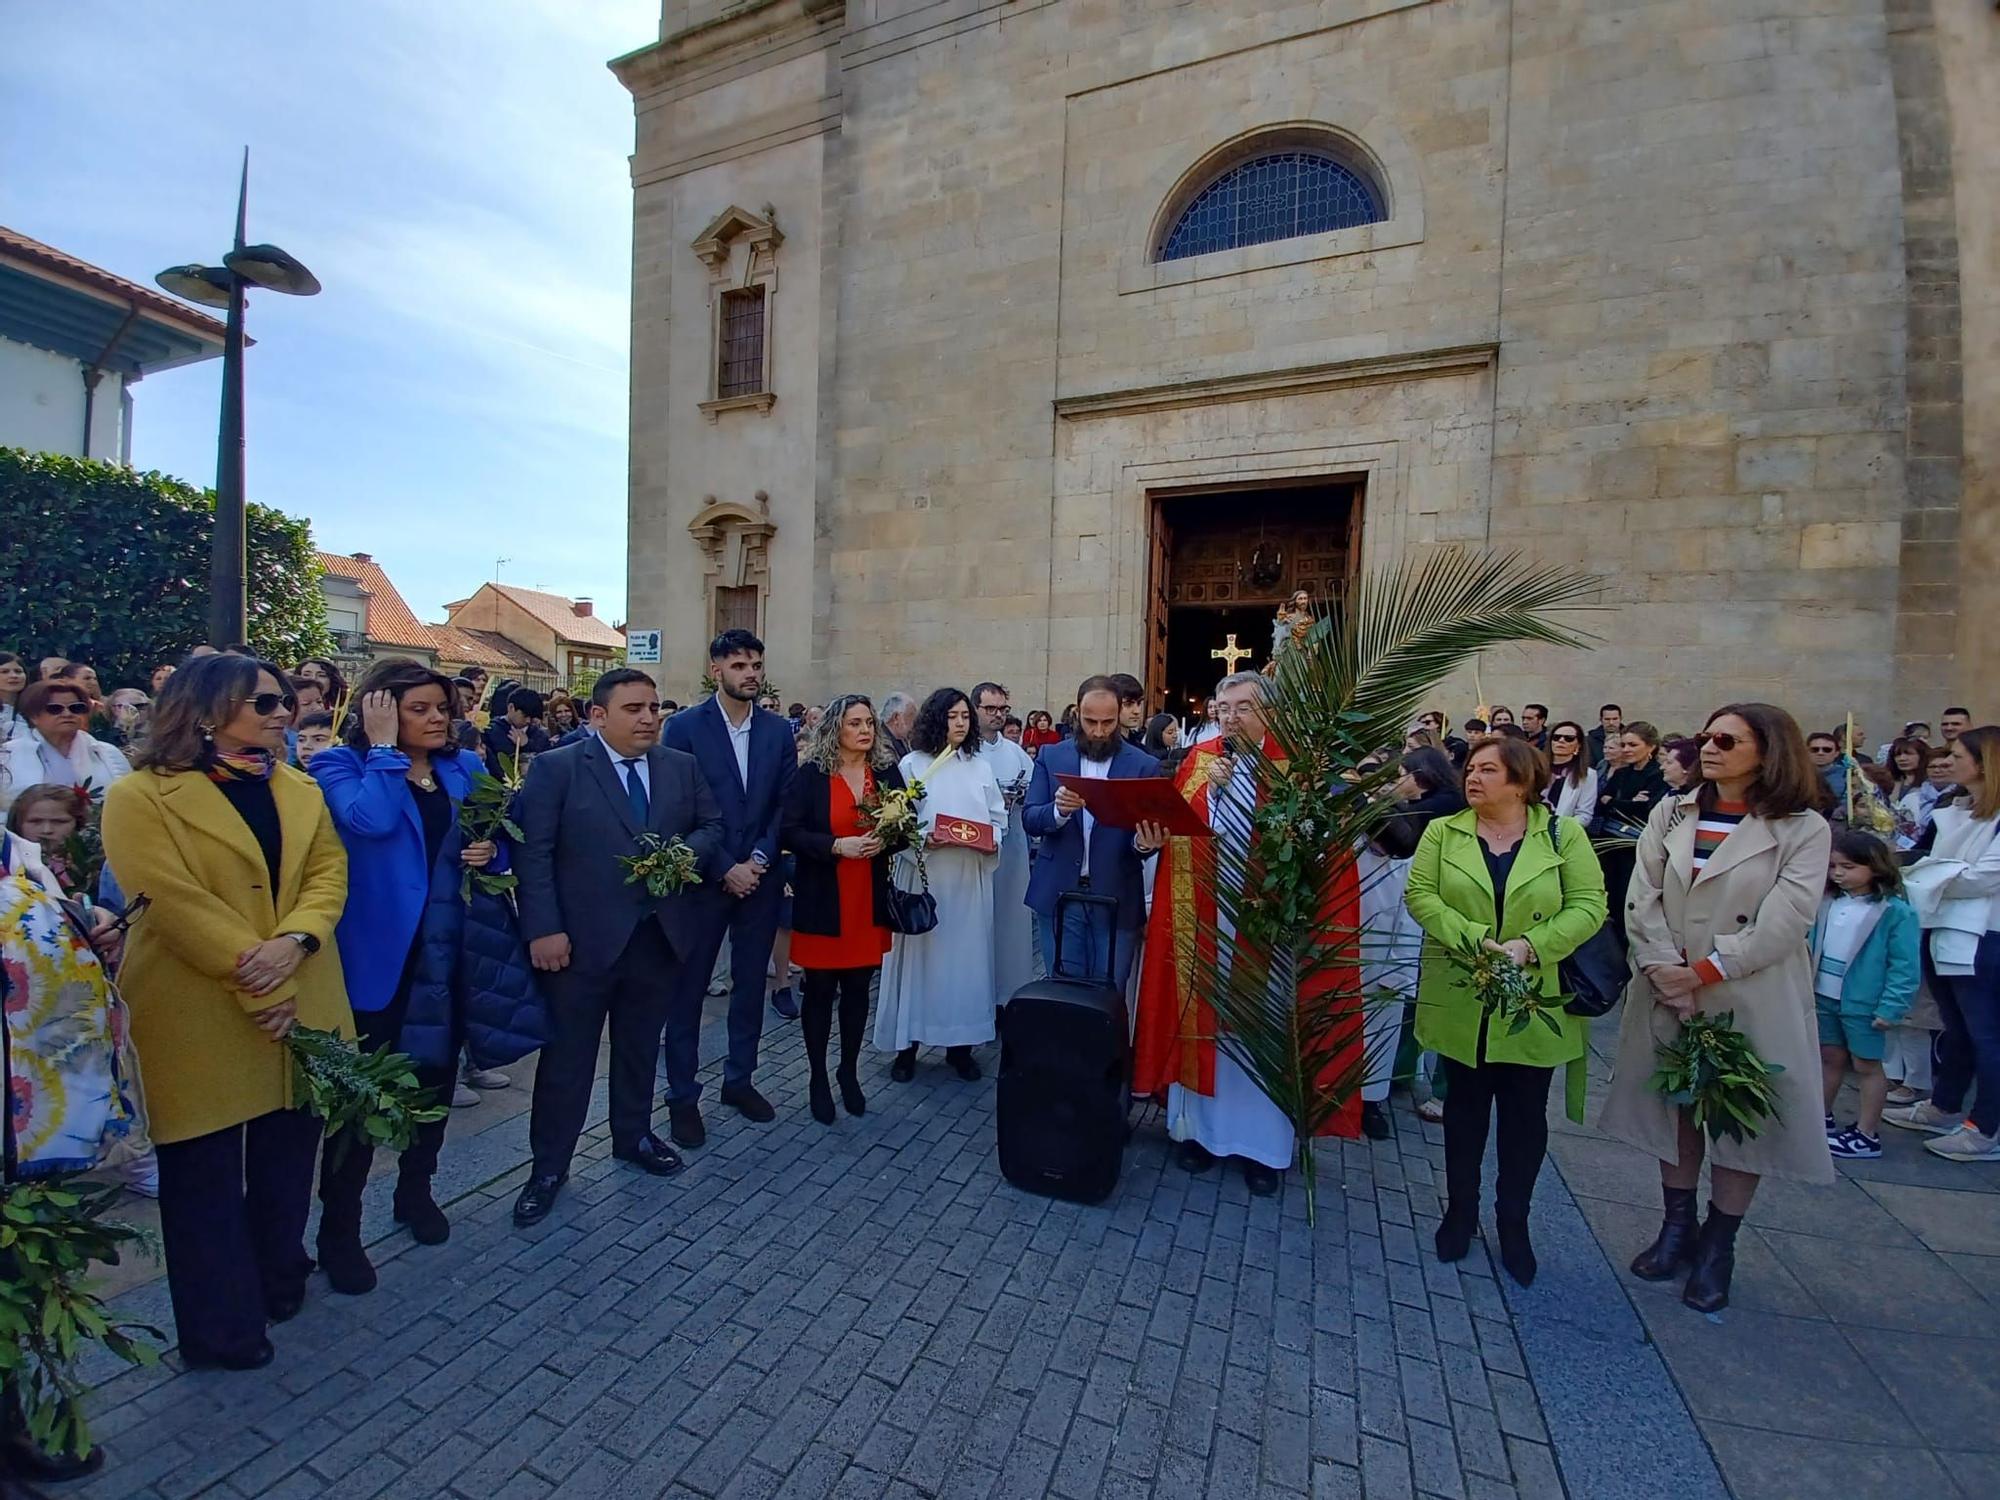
(1065, 1072)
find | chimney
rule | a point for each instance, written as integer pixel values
(362, 556)
(583, 607)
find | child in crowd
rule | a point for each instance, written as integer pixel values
(315, 734)
(48, 816)
(1864, 949)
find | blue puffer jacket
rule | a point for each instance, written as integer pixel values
(472, 976)
(471, 964)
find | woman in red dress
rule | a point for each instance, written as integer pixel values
(840, 889)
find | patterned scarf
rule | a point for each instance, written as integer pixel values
(239, 765)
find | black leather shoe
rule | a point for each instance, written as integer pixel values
(685, 1127)
(283, 1309)
(538, 1197)
(1375, 1122)
(1260, 1179)
(851, 1096)
(1194, 1157)
(963, 1063)
(651, 1154)
(24, 1460)
(747, 1102)
(1454, 1237)
(348, 1269)
(819, 1093)
(785, 1003)
(905, 1066)
(202, 1359)
(1707, 1288)
(1517, 1254)
(1673, 1248)
(415, 1207)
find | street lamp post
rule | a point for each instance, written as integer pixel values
(223, 286)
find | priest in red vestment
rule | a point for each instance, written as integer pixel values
(1214, 1108)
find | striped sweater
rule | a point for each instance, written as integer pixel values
(1713, 827)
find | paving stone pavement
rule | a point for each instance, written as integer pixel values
(1865, 1316)
(871, 1310)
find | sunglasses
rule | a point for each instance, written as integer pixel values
(1563, 739)
(81, 710)
(1723, 742)
(270, 703)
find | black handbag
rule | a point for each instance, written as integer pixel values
(1595, 975)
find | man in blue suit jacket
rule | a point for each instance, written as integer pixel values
(748, 757)
(1078, 854)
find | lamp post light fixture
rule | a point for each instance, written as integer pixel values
(271, 269)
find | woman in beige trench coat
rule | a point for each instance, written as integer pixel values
(1727, 883)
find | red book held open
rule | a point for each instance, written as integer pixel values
(1130, 801)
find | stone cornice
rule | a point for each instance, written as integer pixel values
(1421, 365)
(757, 24)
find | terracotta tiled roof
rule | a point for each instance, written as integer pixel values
(458, 647)
(390, 620)
(17, 246)
(560, 615)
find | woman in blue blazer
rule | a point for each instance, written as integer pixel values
(394, 790)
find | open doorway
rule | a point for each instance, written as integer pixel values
(1222, 563)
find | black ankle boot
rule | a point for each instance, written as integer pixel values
(1454, 1235)
(820, 1092)
(1517, 1254)
(962, 1063)
(348, 1269)
(851, 1096)
(905, 1066)
(1669, 1254)
(1707, 1288)
(415, 1207)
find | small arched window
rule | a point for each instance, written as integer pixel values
(1277, 195)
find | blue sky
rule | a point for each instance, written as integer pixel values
(453, 171)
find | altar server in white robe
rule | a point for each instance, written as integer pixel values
(1013, 923)
(937, 988)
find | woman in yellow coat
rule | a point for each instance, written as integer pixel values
(1504, 875)
(246, 877)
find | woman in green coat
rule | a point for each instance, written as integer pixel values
(1501, 875)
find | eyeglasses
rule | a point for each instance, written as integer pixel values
(270, 703)
(81, 710)
(1723, 742)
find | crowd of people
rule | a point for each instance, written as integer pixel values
(301, 851)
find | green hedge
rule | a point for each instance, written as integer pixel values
(106, 565)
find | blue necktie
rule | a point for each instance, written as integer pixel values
(635, 792)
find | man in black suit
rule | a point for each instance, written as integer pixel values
(748, 757)
(604, 946)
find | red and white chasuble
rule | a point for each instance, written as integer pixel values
(1208, 1097)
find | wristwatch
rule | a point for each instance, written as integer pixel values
(305, 940)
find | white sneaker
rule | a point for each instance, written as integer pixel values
(1924, 1116)
(463, 1097)
(1967, 1143)
(486, 1078)
(141, 1175)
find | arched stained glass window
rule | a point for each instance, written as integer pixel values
(1278, 196)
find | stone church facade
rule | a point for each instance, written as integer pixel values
(1031, 338)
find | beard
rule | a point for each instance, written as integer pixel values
(1096, 749)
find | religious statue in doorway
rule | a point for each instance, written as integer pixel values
(1289, 626)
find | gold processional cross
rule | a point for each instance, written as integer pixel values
(1232, 653)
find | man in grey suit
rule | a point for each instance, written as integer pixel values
(606, 948)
